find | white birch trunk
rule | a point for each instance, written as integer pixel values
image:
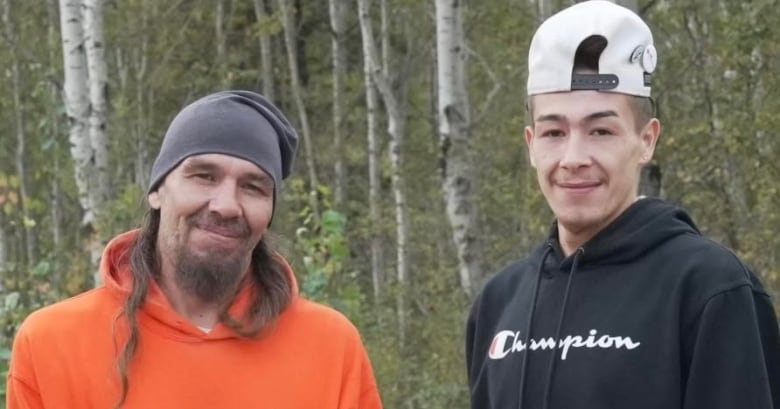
(3, 253)
(457, 155)
(338, 19)
(733, 179)
(77, 102)
(139, 57)
(372, 104)
(266, 53)
(543, 9)
(28, 231)
(55, 98)
(219, 25)
(98, 113)
(289, 40)
(4, 189)
(98, 83)
(384, 38)
(377, 264)
(396, 128)
(77, 106)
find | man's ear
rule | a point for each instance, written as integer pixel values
(154, 200)
(529, 139)
(649, 138)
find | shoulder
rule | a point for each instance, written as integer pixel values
(314, 317)
(70, 314)
(707, 262)
(708, 269)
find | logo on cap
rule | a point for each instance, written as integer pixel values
(649, 59)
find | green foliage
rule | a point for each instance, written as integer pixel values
(124, 211)
(325, 254)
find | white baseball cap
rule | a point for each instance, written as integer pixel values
(625, 64)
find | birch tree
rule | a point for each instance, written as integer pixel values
(144, 97)
(543, 9)
(454, 129)
(77, 100)
(372, 105)
(98, 83)
(219, 31)
(297, 91)
(21, 170)
(3, 239)
(338, 16)
(97, 78)
(396, 128)
(4, 197)
(266, 51)
(55, 191)
(77, 107)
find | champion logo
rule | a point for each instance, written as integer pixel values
(507, 342)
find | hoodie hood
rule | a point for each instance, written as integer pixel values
(647, 223)
(162, 318)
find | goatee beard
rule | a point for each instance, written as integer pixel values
(214, 276)
(211, 279)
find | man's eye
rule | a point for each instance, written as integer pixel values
(204, 176)
(553, 133)
(601, 132)
(258, 189)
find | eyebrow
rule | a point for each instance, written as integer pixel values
(590, 117)
(195, 164)
(599, 115)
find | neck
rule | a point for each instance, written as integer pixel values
(201, 314)
(572, 239)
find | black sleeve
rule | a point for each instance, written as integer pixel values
(471, 328)
(731, 353)
(475, 356)
(770, 339)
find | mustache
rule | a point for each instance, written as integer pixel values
(234, 226)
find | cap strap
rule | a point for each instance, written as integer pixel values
(594, 81)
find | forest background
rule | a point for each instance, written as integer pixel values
(412, 186)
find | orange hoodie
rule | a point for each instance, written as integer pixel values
(64, 355)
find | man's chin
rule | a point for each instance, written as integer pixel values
(577, 221)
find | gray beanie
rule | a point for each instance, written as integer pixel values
(242, 124)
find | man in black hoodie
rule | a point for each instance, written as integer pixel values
(625, 305)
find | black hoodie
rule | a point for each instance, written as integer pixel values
(647, 314)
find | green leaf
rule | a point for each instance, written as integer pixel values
(10, 302)
(42, 269)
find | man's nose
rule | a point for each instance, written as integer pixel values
(576, 153)
(225, 201)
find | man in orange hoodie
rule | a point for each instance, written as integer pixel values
(196, 311)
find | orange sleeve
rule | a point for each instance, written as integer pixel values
(369, 393)
(21, 393)
(358, 385)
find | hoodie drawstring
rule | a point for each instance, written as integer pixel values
(524, 366)
(554, 358)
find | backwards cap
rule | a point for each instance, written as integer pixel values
(625, 64)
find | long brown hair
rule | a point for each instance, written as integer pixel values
(268, 275)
